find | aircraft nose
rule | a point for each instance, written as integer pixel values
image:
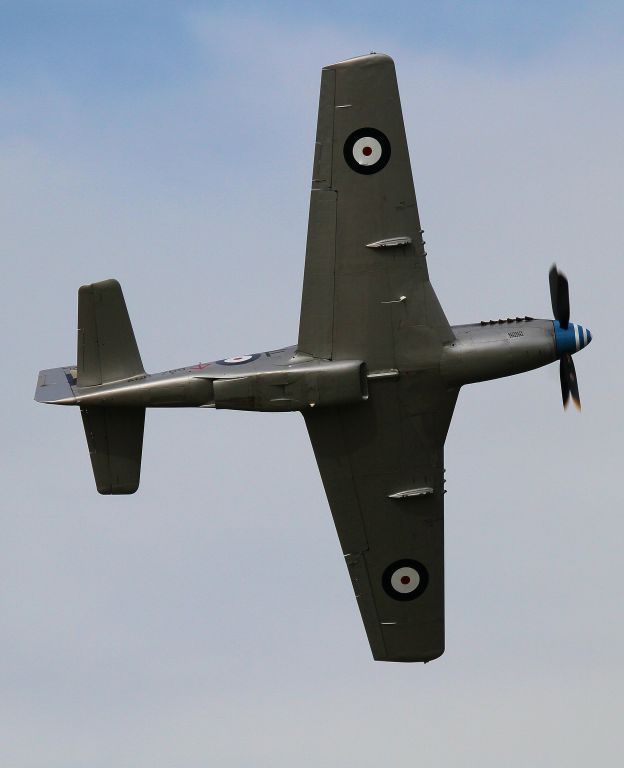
(571, 339)
(583, 336)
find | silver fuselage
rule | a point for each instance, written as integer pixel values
(282, 380)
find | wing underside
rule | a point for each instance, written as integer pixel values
(365, 249)
(382, 467)
(367, 296)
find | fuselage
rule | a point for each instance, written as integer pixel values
(283, 380)
(496, 348)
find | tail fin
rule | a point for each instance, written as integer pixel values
(55, 386)
(107, 349)
(115, 440)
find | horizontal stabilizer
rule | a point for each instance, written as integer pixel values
(115, 440)
(107, 348)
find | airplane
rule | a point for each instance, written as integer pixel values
(375, 372)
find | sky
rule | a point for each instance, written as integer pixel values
(209, 618)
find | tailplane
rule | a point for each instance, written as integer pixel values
(115, 440)
(107, 348)
(107, 352)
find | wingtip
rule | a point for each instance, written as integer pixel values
(118, 490)
(365, 60)
(109, 282)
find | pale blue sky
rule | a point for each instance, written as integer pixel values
(209, 619)
(135, 45)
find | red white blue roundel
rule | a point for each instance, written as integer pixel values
(238, 360)
(367, 150)
(405, 579)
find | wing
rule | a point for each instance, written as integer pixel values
(383, 471)
(367, 296)
(365, 249)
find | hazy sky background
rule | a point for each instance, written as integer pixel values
(209, 620)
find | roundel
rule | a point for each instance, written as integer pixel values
(405, 579)
(367, 150)
(238, 360)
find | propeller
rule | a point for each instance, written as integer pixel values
(569, 384)
(559, 296)
(560, 299)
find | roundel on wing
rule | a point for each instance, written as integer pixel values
(405, 579)
(238, 360)
(367, 150)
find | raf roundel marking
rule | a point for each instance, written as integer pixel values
(367, 150)
(239, 360)
(405, 579)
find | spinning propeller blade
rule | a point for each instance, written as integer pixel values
(569, 384)
(559, 296)
(560, 299)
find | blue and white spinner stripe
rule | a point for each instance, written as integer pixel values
(572, 339)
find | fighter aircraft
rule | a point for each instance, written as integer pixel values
(375, 372)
